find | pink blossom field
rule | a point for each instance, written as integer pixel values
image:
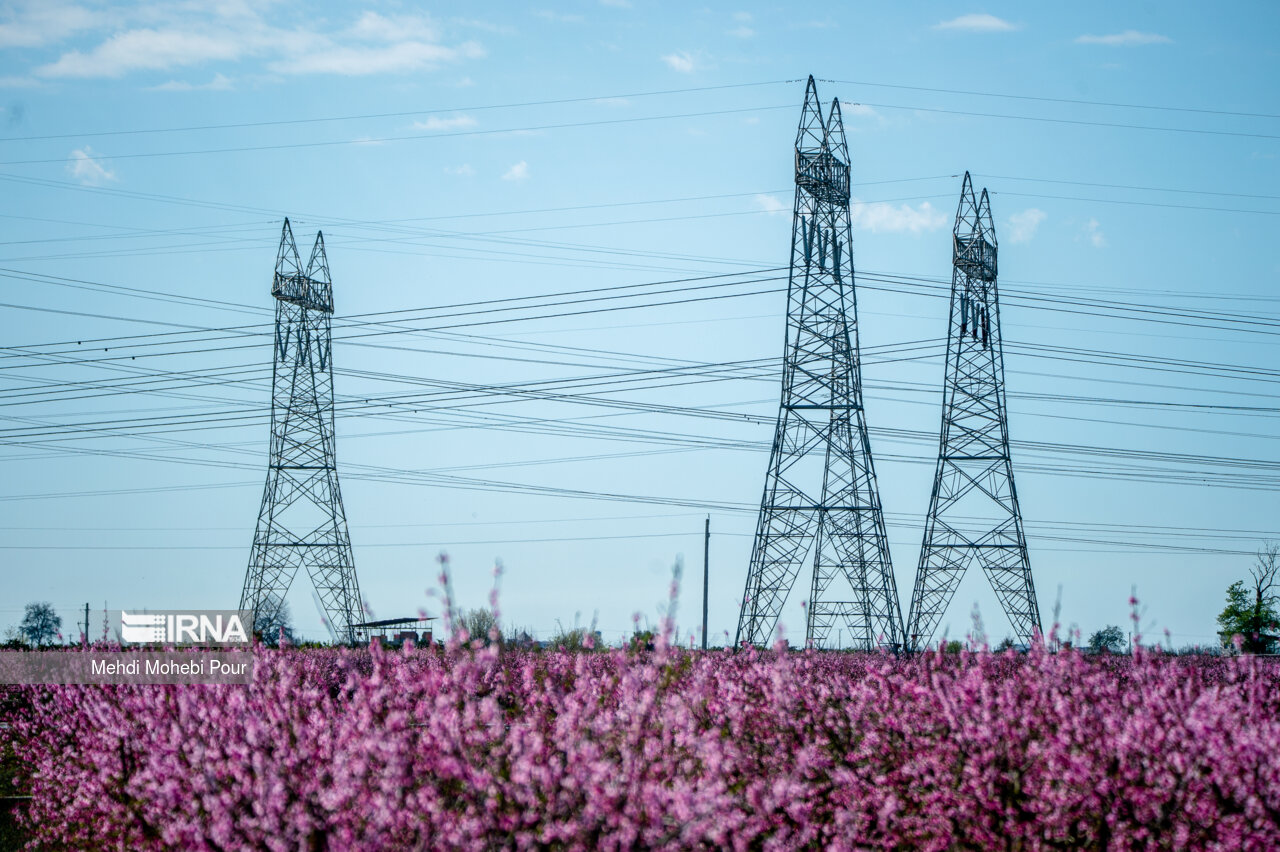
(469, 748)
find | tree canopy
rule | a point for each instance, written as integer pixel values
(40, 625)
(1251, 605)
(1109, 639)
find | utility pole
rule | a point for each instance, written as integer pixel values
(84, 638)
(821, 504)
(706, 578)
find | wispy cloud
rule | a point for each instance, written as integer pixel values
(397, 58)
(189, 35)
(219, 83)
(1093, 233)
(48, 21)
(742, 30)
(88, 169)
(978, 23)
(1023, 225)
(463, 170)
(883, 217)
(617, 4)
(452, 122)
(519, 171)
(1124, 39)
(859, 111)
(145, 49)
(558, 17)
(770, 204)
(681, 62)
(487, 26)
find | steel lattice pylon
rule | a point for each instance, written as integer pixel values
(973, 513)
(820, 492)
(302, 522)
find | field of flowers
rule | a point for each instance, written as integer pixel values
(481, 748)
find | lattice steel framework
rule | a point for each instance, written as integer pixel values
(973, 513)
(302, 522)
(820, 491)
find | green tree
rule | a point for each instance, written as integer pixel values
(1251, 605)
(40, 625)
(480, 624)
(1109, 639)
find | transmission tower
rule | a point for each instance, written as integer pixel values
(302, 522)
(820, 492)
(973, 513)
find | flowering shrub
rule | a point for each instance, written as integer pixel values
(488, 748)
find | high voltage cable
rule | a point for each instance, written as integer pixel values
(1046, 99)
(1093, 356)
(897, 283)
(1202, 131)
(636, 119)
(595, 98)
(416, 136)
(404, 114)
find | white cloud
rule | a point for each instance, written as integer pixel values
(1093, 231)
(219, 83)
(770, 204)
(161, 38)
(1124, 39)
(860, 111)
(558, 17)
(383, 59)
(1023, 225)
(881, 216)
(375, 27)
(487, 26)
(742, 17)
(681, 62)
(87, 169)
(453, 122)
(981, 23)
(47, 21)
(742, 32)
(145, 49)
(519, 171)
(463, 170)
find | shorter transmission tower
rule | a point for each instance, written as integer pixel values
(973, 513)
(302, 522)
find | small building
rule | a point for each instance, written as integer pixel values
(403, 627)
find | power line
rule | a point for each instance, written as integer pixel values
(403, 114)
(1046, 99)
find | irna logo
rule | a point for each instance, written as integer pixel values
(186, 627)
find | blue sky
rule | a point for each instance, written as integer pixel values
(469, 153)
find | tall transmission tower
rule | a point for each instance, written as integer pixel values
(973, 513)
(302, 522)
(820, 491)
